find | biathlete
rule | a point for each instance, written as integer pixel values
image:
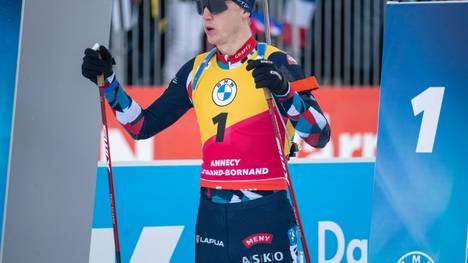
(244, 214)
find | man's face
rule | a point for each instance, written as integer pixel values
(222, 27)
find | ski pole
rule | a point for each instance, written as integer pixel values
(100, 83)
(284, 163)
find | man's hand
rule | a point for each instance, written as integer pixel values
(96, 63)
(267, 75)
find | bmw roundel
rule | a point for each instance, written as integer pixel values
(224, 92)
(416, 256)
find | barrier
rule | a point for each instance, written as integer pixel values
(157, 205)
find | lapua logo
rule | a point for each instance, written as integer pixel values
(260, 238)
(209, 241)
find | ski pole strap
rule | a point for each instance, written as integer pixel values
(202, 68)
(261, 49)
(307, 84)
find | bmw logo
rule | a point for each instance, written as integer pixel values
(416, 256)
(224, 92)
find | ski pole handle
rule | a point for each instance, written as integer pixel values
(100, 78)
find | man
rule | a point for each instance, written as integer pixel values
(244, 214)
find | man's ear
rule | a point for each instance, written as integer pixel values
(245, 14)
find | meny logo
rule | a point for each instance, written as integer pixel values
(260, 238)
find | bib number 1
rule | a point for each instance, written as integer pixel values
(220, 120)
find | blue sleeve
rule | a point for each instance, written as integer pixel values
(162, 113)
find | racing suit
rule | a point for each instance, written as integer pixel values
(244, 214)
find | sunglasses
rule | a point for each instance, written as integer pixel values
(214, 6)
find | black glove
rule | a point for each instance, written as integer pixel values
(94, 66)
(267, 75)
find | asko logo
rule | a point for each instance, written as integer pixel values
(416, 257)
(264, 258)
(260, 238)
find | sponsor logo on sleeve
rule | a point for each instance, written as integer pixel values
(293, 243)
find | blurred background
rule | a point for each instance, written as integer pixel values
(338, 41)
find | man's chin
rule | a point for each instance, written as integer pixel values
(212, 40)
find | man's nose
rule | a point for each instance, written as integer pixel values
(206, 13)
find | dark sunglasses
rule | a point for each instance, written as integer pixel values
(214, 6)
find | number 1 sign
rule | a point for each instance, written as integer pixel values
(420, 199)
(429, 102)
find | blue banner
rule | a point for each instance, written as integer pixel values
(10, 16)
(157, 206)
(420, 201)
